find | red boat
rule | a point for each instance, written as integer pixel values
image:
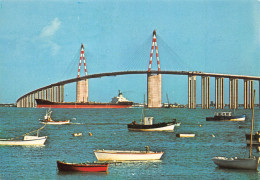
(84, 167)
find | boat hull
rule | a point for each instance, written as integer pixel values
(112, 155)
(227, 118)
(153, 127)
(55, 122)
(185, 135)
(29, 141)
(48, 104)
(237, 163)
(93, 167)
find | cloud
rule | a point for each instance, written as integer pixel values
(50, 30)
(47, 34)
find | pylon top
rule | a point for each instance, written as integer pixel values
(154, 45)
(154, 32)
(82, 56)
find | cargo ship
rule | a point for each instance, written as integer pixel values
(117, 102)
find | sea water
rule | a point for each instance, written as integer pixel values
(184, 158)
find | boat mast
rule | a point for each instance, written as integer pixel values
(142, 120)
(252, 125)
(168, 100)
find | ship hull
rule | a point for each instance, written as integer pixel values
(48, 104)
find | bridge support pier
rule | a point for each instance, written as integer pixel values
(251, 91)
(62, 93)
(192, 92)
(222, 102)
(82, 91)
(219, 93)
(202, 92)
(245, 94)
(233, 93)
(154, 90)
(248, 94)
(207, 92)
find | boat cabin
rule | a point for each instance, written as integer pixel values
(148, 120)
(223, 114)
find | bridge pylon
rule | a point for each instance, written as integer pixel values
(154, 81)
(82, 86)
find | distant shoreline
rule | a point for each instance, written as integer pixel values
(7, 105)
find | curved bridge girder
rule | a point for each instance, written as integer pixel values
(189, 73)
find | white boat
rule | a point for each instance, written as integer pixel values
(48, 120)
(77, 134)
(27, 141)
(250, 163)
(181, 135)
(147, 124)
(119, 155)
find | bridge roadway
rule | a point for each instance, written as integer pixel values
(189, 73)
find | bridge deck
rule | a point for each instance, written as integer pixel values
(191, 73)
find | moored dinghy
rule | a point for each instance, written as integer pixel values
(82, 167)
(122, 155)
(27, 141)
(250, 163)
(237, 163)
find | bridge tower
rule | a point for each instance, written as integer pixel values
(82, 86)
(154, 81)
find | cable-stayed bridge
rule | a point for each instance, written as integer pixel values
(55, 92)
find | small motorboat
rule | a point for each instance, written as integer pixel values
(226, 116)
(148, 125)
(48, 119)
(122, 155)
(82, 167)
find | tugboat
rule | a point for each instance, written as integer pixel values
(226, 116)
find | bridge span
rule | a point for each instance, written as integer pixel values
(55, 92)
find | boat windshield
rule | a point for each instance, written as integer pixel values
(223, 114)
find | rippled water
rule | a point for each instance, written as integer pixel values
(184, 158)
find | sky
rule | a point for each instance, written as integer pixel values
(40, 44)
